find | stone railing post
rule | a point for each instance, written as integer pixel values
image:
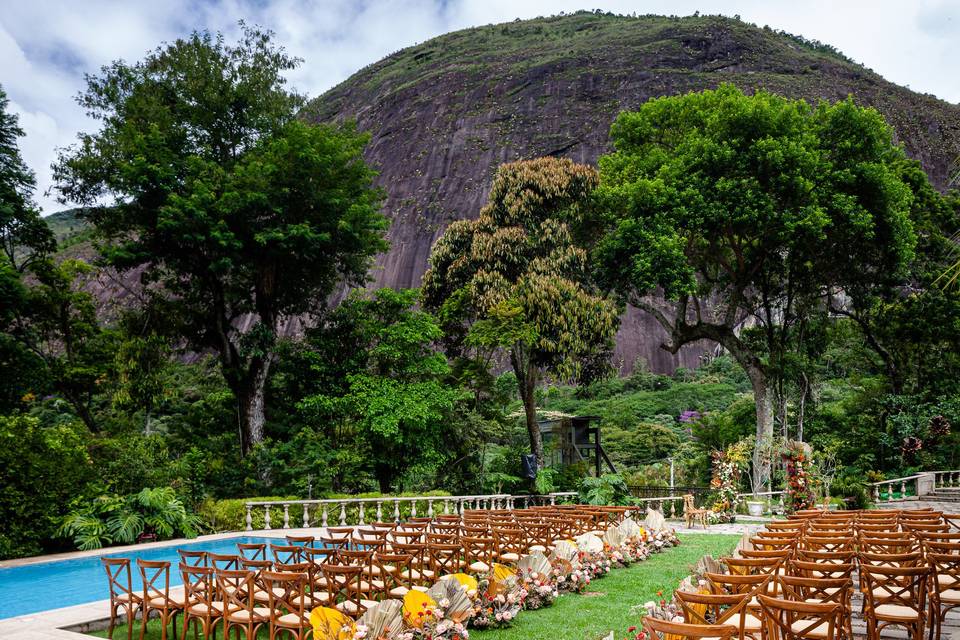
(286, 515)
(446, 506)
(306, 516)
(249, 517)
(343, 514)
(266, 516)
(876, 493)
(396, 511)
(430, 508)
(379, 511)
(361, 509)
(323, 516)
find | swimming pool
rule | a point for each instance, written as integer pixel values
(63, 583)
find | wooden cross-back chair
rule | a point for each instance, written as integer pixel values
(224, 561)
(478, 553)
(662, 630)
(692, 514)
(823, 590)
(202, 605)
(344, 589)
(396, 571)
(791, 620)
(156, 596)
(289, 614)
(252, 551)
(895, 596)
(241, 611)
(192, 558)
(945, 590)
(122, 596)
(712, 608)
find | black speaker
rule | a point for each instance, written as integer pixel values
(529, 464)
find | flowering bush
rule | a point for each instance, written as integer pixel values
(498, 601)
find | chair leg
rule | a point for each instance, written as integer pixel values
(143, 622)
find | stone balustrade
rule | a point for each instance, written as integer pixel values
(360, 511)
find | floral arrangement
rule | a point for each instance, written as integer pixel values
(500, 597)
(796, 458)
(596, 564)
(536, 576)
(726, 479)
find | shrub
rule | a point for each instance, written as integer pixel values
(43, 470)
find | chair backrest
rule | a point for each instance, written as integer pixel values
(301, 541)
(477, 549)
(193, 558)
(806, 569)
(662, 629)
(688, 503)
(237, 588)
(286, 553)
(754, 566)
(156, 579)
(118, 577)
(198, 584)
(912, 559)
(887, 545)
(252, 551)
(776, 554)
(791, 620)
(829, 543)
(723, 583)
(286, 591)
(395, 570)
(946, 571)
(827, 557)
(358, 558)
(810, 589)
(320, 555)
(902, 586)
(344, 584)
(711, 608)
(224, 561)
(509, 540)
(444, 558)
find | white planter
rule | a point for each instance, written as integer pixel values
(755, 508)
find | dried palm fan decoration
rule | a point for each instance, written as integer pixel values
(384, 620)
(469, 582)
(589, 543)
(534, 565)
(613, 537)
(453, 598)
(566, 550)
(331, 624)
(706, 565)
(629, 528)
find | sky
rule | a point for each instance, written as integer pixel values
(47, 47)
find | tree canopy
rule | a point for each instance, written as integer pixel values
(244, 216)
(749, 213)
(516, 278)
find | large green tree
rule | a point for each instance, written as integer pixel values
(244, 216)
(384, 384)
(749, 213)
(515, 279)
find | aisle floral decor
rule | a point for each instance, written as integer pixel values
(494, 600)
(500, 597)
(536, 574)
(728, 466)
(796, 457)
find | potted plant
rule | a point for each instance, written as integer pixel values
(755, 507)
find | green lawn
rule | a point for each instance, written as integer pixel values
(605, 607)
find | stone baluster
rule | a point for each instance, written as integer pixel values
(429, 508)
(379, 511)
(780, 503)
(903, 489)
(266, 516)
(446, 506)
(553, 499)
(361, 509)
(343, 514)
(876, 493)
(286, 515)
(673, 508)
(306, 516)
(249, 517)
(889, 492)
(396, 511)
(323, 520)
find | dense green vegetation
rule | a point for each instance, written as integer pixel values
(811, 241)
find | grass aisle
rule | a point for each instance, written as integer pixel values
(581, 617)
(607, 608)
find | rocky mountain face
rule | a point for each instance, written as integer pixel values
(443, 114)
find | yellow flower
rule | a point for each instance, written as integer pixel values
(331, 624)
(469, 582)
(417, 607)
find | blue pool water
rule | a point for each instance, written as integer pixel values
(62, 583)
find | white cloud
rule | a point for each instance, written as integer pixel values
(47, 46)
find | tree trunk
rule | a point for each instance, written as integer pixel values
(764, 408)
(251, 399)
(527, 377)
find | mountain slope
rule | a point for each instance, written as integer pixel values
(443, 114)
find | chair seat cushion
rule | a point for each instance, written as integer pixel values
(819, 631)
(510, 557)
(479, 567)
(293, 620)
(896, 612)
(399, 592)
(242, 615)
(169, 603)
(350, 608)
(750, 622)
(201, 608)
(950, 595)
